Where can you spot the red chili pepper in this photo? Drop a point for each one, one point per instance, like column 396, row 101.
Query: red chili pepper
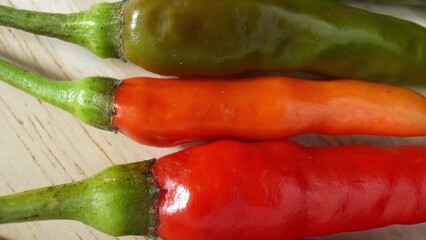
column 166, row 112
column 233, row 190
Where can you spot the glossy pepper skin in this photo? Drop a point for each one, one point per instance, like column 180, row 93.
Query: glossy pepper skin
column 217, row 38
column 173, row 111
column 281, row 190
column 183, row 37
column 407, row 2
column 166, row 112
column 266, row 190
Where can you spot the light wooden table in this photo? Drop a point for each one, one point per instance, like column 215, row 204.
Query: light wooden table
column 41, row 145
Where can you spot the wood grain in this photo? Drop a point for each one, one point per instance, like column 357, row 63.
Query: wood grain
column 41, row 145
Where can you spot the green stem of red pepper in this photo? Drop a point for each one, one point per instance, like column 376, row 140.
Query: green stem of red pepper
column 97, row 29
column 90, row 99
column 118, row 201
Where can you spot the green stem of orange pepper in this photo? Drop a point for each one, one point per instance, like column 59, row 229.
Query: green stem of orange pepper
column 90, row 99
column 216, row 38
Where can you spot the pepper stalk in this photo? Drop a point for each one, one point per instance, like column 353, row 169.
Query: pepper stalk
column 89, row 99
column 119, row 201
column 97, row 29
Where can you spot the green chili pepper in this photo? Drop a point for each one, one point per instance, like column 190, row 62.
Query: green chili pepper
column 212, row 38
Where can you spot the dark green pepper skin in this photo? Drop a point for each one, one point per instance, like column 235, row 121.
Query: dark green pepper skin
column 407, row 2
column 213, row 38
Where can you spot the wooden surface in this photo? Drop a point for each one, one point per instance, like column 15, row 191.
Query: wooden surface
column 41, row 145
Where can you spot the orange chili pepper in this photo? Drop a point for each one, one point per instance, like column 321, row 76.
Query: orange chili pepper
column 165, row 112
column 172, row 111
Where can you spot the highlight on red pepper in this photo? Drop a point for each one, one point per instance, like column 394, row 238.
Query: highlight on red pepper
column 166, row 112
column 187, row 37
column 266, row 190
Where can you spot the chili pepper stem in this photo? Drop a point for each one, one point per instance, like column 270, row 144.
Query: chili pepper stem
column 119, row 201
column 97, row 29
column 90, row 99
